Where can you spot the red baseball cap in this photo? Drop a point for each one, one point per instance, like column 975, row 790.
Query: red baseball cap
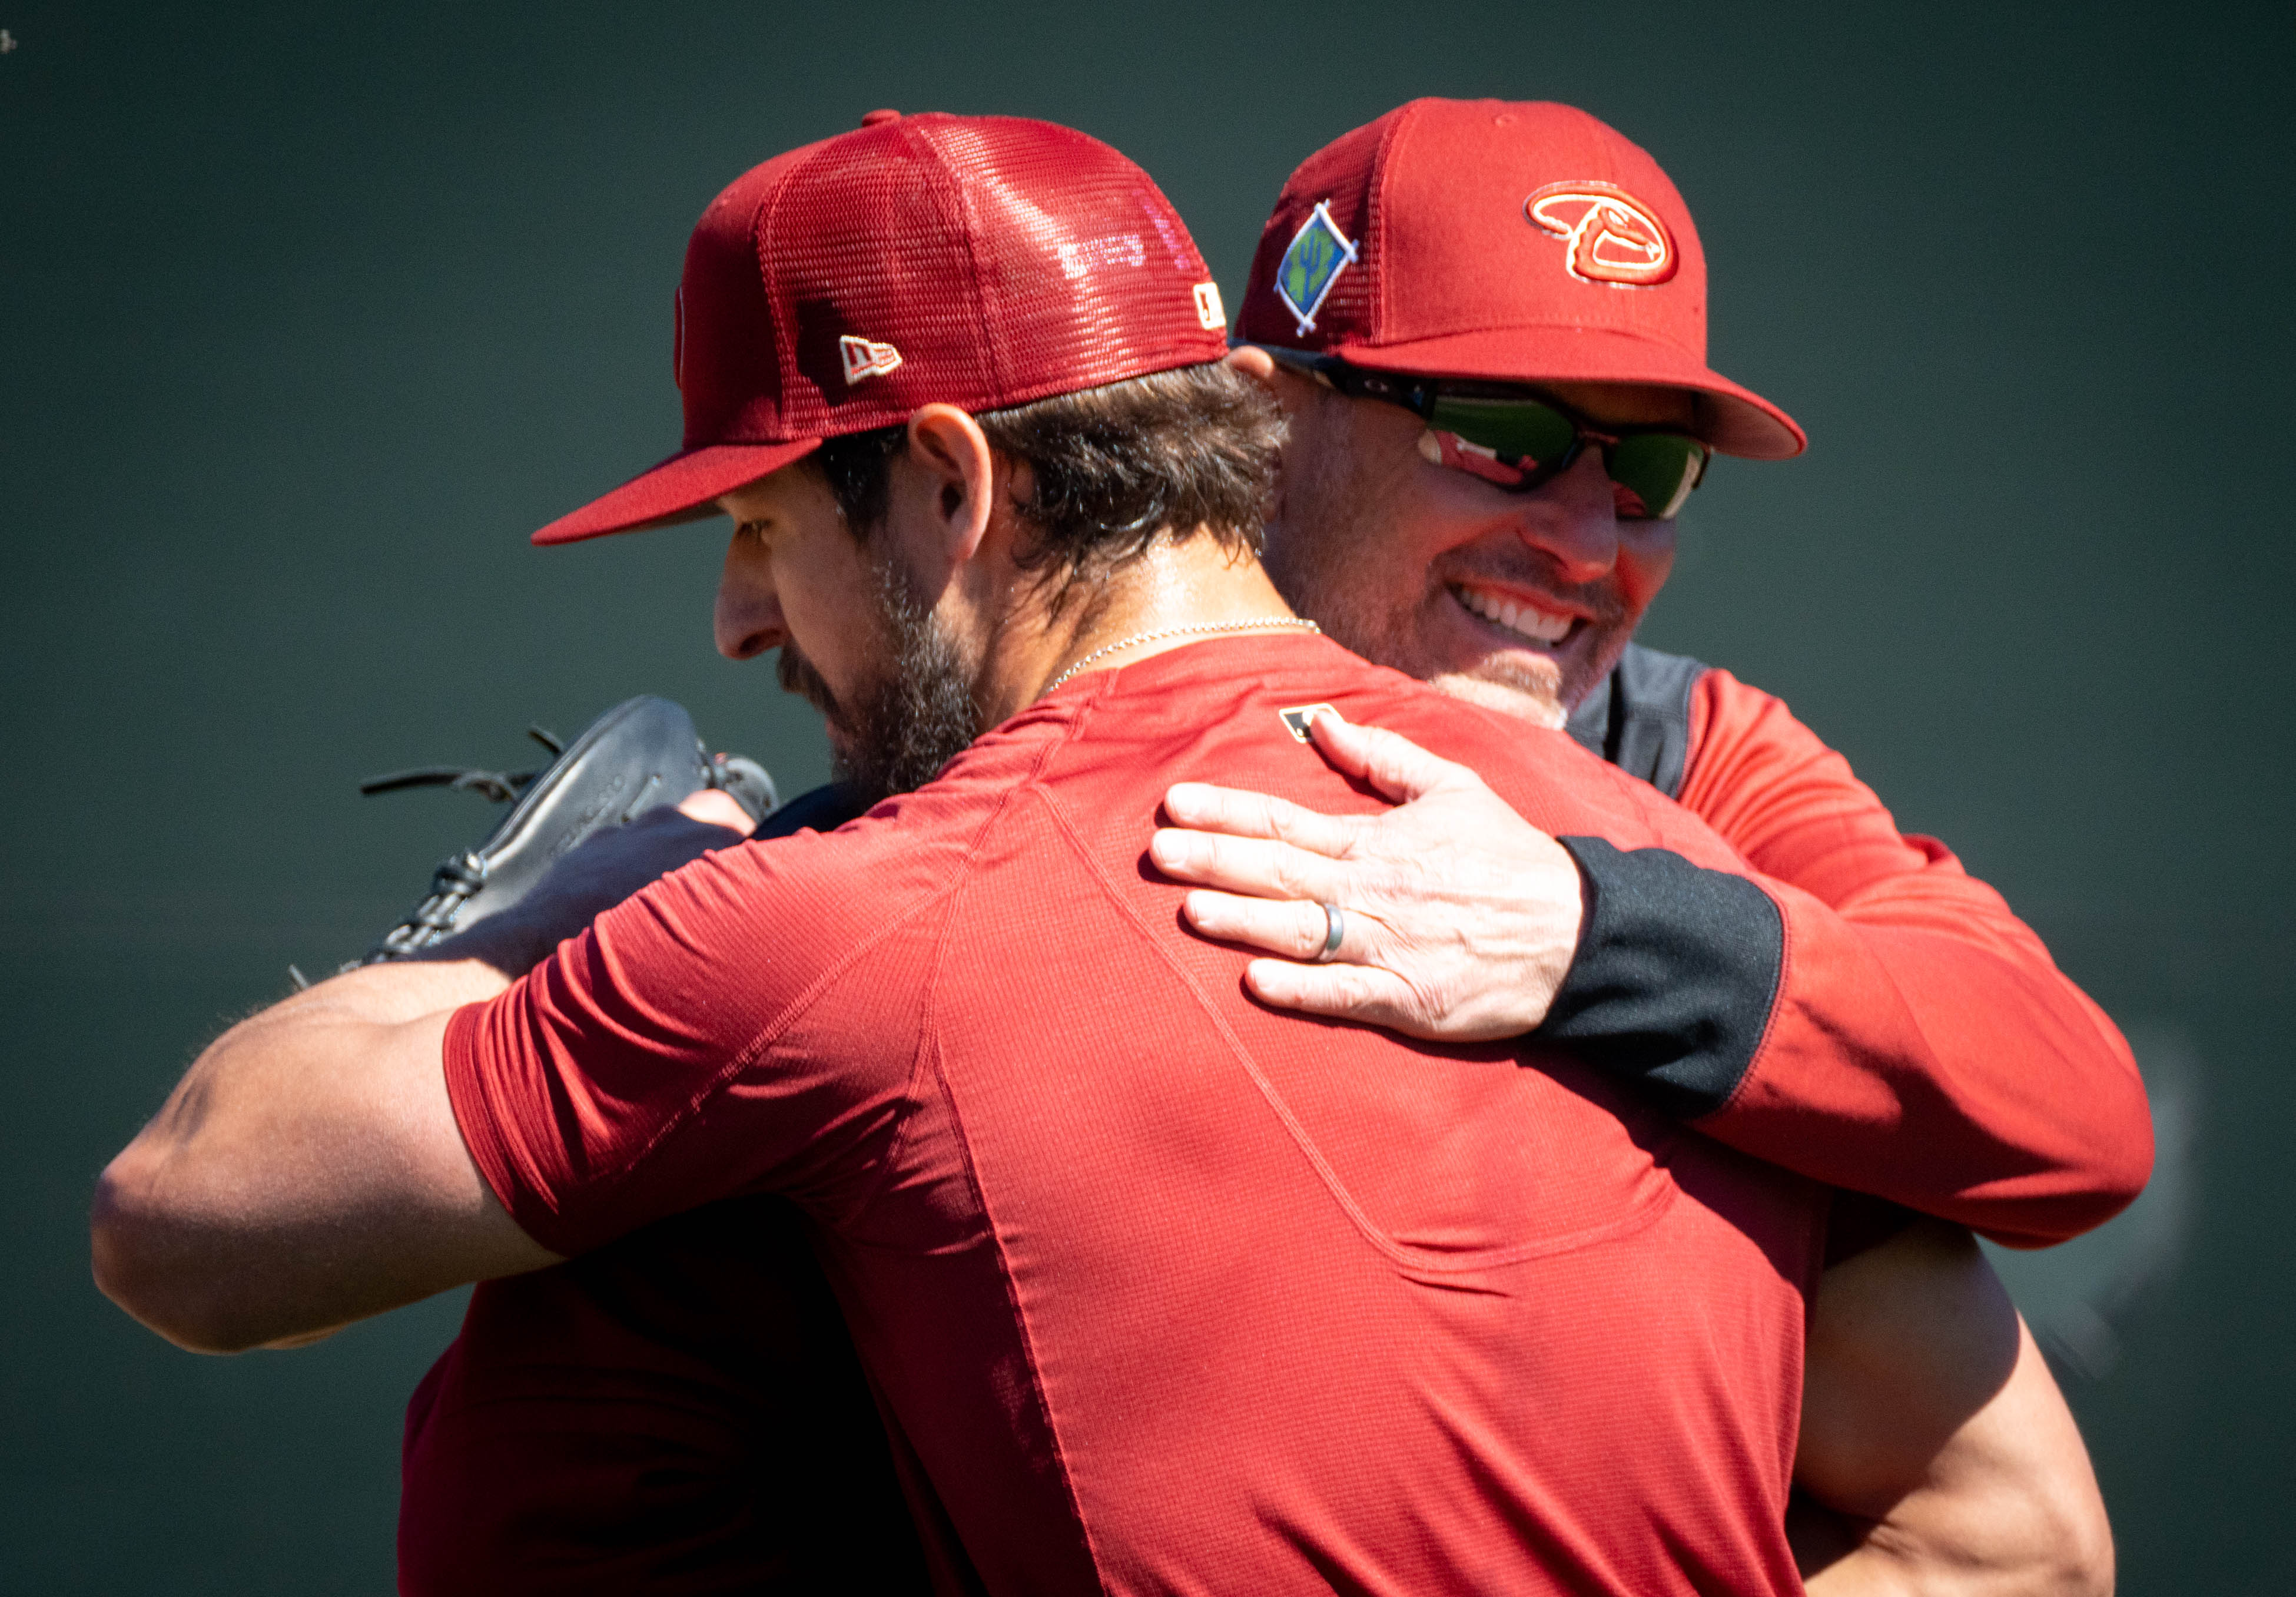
column 1517, row 242
column 977, row 261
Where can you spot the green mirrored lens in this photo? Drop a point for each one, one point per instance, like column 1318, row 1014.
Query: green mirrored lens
column 1658, row 468
column 1522, row 433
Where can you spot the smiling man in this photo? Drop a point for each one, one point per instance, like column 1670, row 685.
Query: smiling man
column 1487, row 323
column 1161, row 1289
column 676, row 1410
column 1405, row 560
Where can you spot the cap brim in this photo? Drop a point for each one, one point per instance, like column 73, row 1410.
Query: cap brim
column 684, row 488
column 1734, row 420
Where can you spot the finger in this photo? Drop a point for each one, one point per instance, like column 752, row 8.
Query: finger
column 719, row 808
column 1293, row 928
column 1362, row 993
column 1255, row 866
column 1241, row 814
column 1391, row 763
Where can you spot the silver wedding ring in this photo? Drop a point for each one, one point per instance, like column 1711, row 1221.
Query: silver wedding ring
column 1335, row 927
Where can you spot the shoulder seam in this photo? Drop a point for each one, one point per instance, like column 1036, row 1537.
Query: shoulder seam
column 929, row 1044
column 796, row 1008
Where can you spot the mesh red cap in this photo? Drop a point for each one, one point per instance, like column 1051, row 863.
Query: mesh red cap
column 1515, row 242
column 977, row 261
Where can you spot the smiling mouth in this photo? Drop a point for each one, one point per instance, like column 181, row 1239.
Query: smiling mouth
column 1533, row 626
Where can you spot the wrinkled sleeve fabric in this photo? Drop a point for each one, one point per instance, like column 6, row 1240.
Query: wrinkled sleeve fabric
column 1862, row 1010
column 672, row 1055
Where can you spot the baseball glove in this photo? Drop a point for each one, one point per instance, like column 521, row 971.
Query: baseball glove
column 637, row 757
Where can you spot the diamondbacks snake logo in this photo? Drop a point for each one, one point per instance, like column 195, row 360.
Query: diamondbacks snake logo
column 1611, row 236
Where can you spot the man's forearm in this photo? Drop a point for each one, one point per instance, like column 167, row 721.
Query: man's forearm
column 307, row 1172
column 1911, row 1040
column 1952, row 1065
column 1946, row 1076
column 1936, row 1454
column 1990, row 1522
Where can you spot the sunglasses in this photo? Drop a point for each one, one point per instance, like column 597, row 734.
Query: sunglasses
column 1519, row 440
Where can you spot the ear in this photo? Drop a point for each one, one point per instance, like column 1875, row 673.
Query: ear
column 950, row 447
column 1251, row 361
column 1291, row 389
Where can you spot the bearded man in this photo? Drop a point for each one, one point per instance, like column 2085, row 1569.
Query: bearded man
column 963, row 656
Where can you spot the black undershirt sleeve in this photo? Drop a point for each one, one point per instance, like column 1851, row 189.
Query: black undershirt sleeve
column 1676, row 970
column 824, row 809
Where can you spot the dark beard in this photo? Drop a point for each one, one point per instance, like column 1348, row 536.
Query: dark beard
column 916, row 717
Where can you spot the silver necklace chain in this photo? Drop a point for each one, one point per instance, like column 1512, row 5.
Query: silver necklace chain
column 1164, row 632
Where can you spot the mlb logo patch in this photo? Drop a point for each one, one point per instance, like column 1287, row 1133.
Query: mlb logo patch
column 1312, row 262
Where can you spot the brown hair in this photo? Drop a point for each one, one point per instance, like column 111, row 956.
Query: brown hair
column 1113, row 467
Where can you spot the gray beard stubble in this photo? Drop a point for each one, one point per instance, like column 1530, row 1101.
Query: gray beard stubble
column 1323, row 521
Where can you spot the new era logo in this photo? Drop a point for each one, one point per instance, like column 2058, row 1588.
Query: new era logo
column 865, row 358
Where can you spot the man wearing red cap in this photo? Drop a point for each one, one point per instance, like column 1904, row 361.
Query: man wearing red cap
column 1487, row 324
column 1160, row 1288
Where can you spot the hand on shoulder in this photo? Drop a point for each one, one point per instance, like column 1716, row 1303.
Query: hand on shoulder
column 1458, row 918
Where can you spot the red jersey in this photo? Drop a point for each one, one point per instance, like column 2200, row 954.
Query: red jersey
column 581, row 1434
column 1164, row 1289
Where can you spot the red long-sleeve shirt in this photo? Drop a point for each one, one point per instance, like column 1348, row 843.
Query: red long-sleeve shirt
column 1864, row 1011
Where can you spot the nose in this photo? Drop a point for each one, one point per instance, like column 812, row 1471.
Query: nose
column 1574, row 520
column 747, row 620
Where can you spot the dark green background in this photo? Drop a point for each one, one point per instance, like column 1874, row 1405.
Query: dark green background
column 306, row 320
